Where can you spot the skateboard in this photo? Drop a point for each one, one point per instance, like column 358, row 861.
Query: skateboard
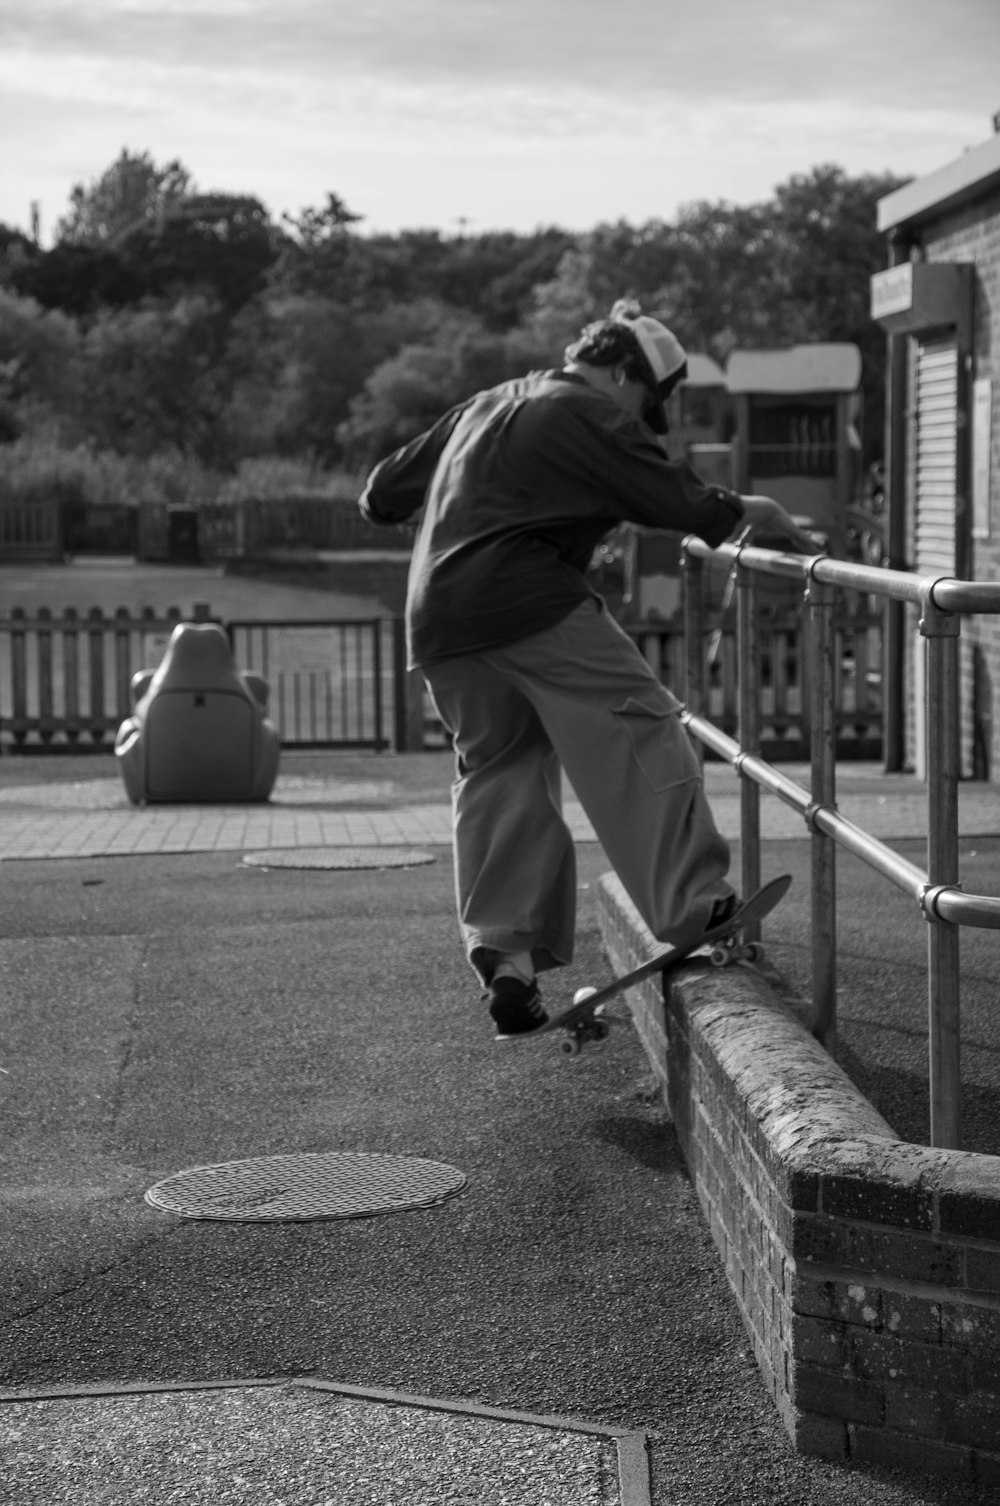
column 585, row 1019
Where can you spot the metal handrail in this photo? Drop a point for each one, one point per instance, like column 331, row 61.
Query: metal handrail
column 942, row 601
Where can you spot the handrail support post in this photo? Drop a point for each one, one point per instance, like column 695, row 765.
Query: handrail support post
column 748, row 657
column 821, row 600
column 940, row 632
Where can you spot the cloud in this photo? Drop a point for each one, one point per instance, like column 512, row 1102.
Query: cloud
column 726, row 49
column 506, row 112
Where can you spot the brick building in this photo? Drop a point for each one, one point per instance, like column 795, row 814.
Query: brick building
column 939, row 303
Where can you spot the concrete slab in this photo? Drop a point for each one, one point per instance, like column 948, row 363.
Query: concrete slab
column 309, row 1442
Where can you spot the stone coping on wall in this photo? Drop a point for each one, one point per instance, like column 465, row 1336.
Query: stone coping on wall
column 866, row 1269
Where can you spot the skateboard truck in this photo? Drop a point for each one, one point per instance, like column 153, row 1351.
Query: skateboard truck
column 595, row 1026
column 587, row 1019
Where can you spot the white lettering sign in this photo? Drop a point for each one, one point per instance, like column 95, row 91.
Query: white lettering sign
column 892, row 291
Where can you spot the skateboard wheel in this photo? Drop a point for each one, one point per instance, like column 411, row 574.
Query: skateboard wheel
column 601, row 1030
column 754, row 951
column 719, row 956
column 571, row 1046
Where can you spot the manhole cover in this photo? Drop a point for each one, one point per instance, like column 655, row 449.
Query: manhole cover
column 274, row 1189
column 340, row 857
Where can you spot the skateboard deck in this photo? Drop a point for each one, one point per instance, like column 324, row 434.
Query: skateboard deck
column 585, row 1020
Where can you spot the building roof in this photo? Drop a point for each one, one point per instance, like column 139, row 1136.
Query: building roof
column 800, row 368
column 974, row 173
column 703, row 371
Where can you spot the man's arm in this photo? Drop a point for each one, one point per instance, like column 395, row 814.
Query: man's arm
column 658, row 492
column 763, row 514
column 396, row 488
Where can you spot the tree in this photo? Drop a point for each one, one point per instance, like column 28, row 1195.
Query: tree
column 154, row 381
column 15, row 249
column 40, row 368
column 414, row 387
column 313, row 257
column 78, row 278
column 794, row 269
column 222, row 245
column 512, row 266
column 830, row 243
column 489, row 275
column 317, row 356
column 826, row 233
column 133, row 191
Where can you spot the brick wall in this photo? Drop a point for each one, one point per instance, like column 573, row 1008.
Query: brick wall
column 866, row 1269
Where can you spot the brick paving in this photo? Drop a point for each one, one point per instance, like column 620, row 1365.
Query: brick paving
column 93, row 818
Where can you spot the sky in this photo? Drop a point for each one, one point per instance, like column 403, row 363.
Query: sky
column 477, row 115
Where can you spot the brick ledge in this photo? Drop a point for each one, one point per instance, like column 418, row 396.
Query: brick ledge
column 866, row 1269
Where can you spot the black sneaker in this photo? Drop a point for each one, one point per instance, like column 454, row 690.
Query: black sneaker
column 723, row 910
column 516, row 1007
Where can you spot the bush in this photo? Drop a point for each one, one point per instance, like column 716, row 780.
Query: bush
column 275, row 478
column 39, row 470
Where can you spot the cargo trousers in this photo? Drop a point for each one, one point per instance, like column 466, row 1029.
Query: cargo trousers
column 579, row 697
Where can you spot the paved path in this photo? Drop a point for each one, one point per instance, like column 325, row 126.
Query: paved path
column 127, row 1319
column 92, row 817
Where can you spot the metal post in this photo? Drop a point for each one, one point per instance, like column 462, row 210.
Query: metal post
column 693, row 581
column 821, row 643
column 748, row 654
column 400, row 688
column 940, row 632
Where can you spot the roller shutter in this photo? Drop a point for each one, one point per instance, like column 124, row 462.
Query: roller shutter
column 936, row 436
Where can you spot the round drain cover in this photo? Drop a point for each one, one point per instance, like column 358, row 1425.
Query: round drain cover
column 277, row 1189
column 340, row 857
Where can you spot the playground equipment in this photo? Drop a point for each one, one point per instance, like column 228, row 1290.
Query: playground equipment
column 199, row 729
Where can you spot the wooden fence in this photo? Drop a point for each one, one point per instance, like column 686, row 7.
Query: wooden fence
column 251, row 528
column 65, row 682
column 784, row 709
column 31, row 531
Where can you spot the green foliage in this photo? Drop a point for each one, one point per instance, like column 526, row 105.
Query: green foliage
column 272, row 477
column 153, row 381
column 412, row 389
column 169, row 322
column 313, row 258
column 77, row 278
column 16, row 251
column 218, row 245
column 133, row 191
column 40, row 368
column 36, row 470
column 723, row 275
column 491, row 276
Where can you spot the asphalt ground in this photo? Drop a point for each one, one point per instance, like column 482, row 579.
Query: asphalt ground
column 176, row 1009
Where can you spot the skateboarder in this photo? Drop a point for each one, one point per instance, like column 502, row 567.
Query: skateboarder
column 529, row 671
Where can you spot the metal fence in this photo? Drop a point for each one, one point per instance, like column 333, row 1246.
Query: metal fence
column 66, row 680
column 328, row 680
column 942, row 603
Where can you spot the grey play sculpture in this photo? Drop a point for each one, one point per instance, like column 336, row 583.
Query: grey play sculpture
column 199, row 729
